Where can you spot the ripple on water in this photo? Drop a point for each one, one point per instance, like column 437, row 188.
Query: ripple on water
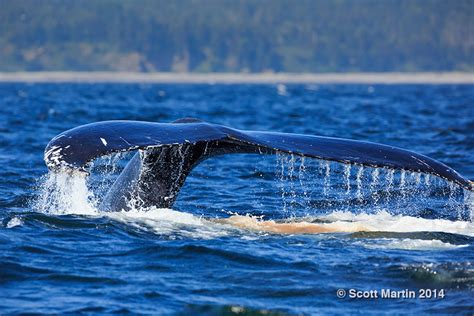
column 449, row 275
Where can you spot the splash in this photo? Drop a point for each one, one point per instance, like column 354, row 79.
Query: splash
column 65, row 193
column 104, row 170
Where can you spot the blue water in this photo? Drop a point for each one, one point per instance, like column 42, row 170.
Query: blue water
column 70, row 258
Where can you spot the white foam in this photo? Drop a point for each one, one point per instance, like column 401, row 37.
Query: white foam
column 14, row 222
column 164, row 221
column 413, row 244
column 160, row 214
column 384, row 221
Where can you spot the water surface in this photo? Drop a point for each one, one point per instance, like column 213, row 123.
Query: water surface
column 66, row 257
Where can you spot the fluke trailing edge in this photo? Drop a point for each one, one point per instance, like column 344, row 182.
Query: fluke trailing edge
column 167, row 152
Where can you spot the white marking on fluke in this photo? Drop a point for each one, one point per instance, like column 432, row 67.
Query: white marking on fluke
column 103, row 141
column 53, row 156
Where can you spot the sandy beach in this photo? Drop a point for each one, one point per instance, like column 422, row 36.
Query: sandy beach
column 241, row 78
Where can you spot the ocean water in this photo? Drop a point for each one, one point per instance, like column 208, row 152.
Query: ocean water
column 59, row 254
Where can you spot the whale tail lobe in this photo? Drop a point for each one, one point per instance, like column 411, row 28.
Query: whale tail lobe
column 167, row 152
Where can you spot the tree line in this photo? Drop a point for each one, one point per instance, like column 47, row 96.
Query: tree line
column 237, row 35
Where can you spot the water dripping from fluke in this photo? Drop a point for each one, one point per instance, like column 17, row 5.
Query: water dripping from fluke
column 347, row 177
column 468, row 200
column 360, row 174
column 327, row 178
column 403, row 192
column 366, row 189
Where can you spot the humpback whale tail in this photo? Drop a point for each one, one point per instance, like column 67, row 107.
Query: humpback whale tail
column 167, row 152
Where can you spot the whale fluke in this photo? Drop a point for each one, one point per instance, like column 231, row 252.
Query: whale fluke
column 169, row 151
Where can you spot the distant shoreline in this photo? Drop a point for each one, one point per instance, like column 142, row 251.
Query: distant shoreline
column 240, row 78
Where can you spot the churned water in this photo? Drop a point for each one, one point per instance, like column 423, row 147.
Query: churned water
column 59, row 254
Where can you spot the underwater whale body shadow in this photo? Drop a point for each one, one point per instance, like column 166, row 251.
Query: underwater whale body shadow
column 167, row 152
